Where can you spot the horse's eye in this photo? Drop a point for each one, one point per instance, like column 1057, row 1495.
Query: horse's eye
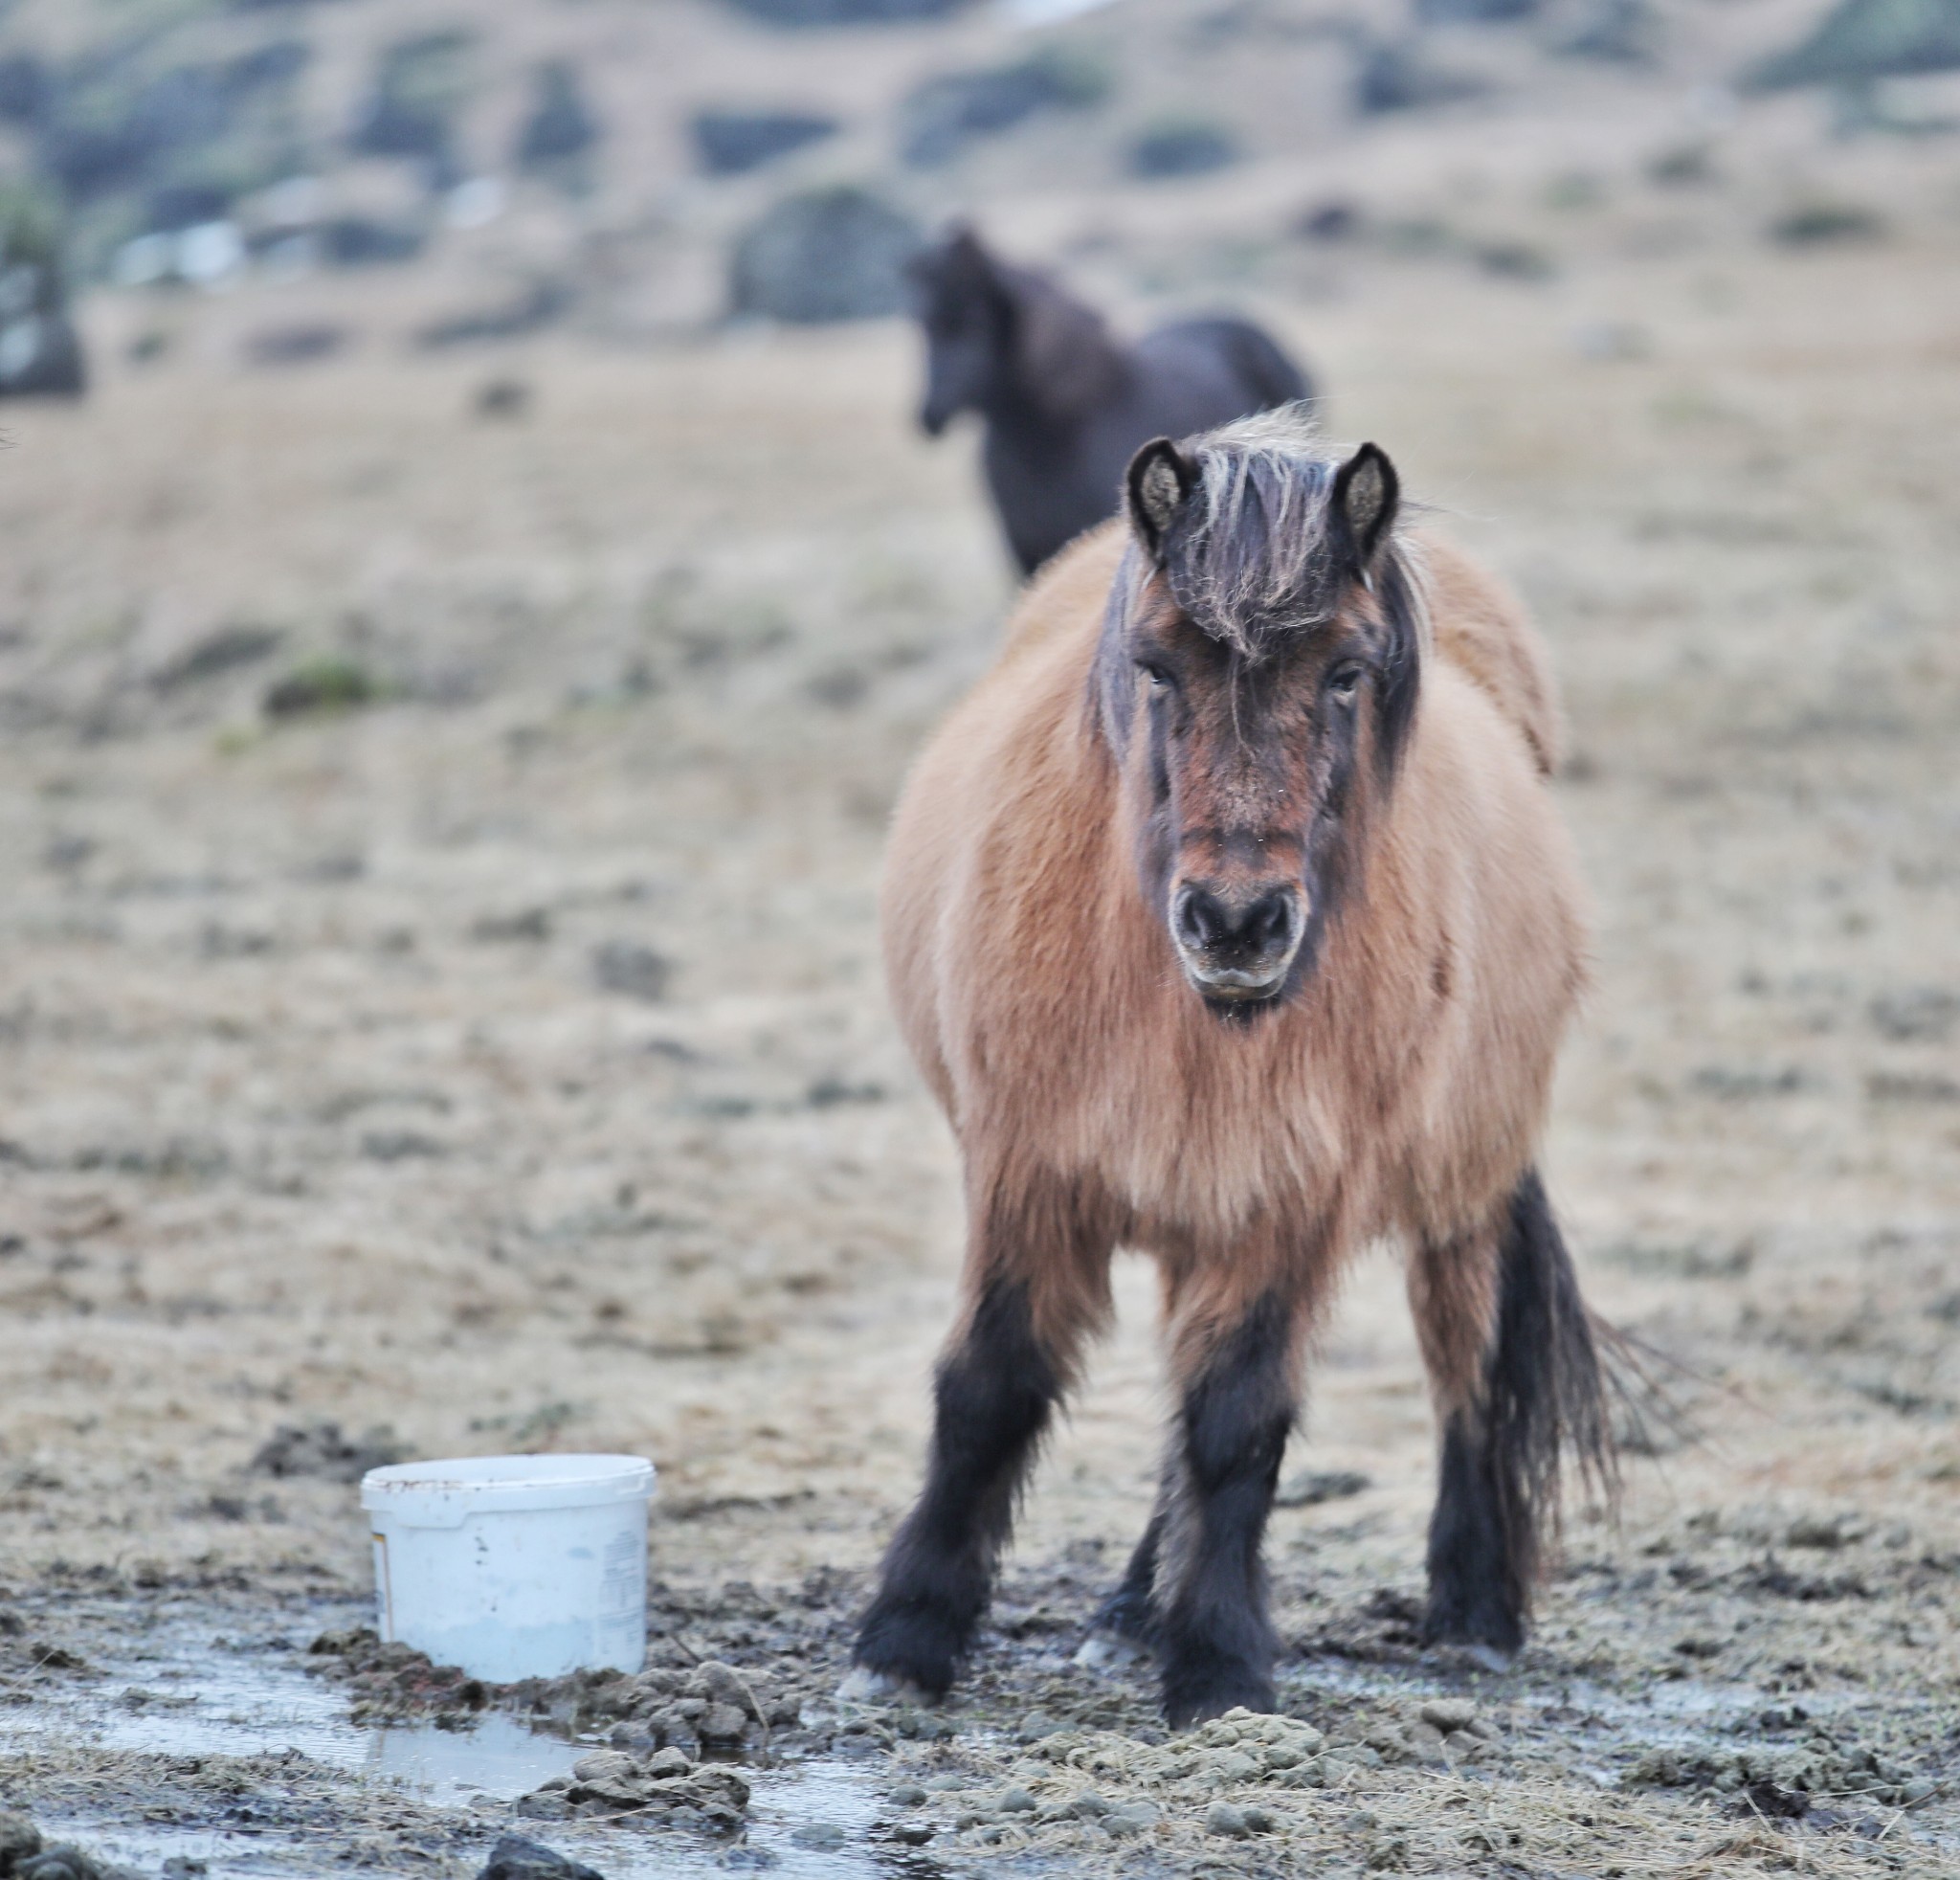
column 1343, row 681
column 1159, row 678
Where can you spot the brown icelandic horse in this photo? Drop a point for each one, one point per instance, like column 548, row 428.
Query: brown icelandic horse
column 1230, row 921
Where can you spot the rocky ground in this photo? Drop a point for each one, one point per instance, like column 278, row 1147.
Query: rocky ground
column 438, row 998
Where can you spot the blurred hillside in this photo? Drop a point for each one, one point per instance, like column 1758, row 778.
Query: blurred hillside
column 446, row 171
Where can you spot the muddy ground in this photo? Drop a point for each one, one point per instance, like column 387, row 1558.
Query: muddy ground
column 481, row 1047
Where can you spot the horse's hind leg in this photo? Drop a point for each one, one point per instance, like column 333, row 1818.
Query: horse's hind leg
column 1037, row 1281
column 1517, row 1385
column 1125, row 1624
column 1240, row 1388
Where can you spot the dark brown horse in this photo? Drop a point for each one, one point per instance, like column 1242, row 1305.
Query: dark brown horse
column 1230, row 921
column 1064, row 403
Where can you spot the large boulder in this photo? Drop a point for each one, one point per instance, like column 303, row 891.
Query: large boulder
column 1400, row 76
column 733, row 143
column 40, row 351
column 942, row 115
column 848, row 13
column 1859, row 41
column 419, row 88
column 825, row 255
column 561, row 131
column 1180, row 146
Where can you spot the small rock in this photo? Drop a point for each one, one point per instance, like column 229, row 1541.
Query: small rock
column 514, row 1858
column 606, row 1766
column 670, row 1761
column 63, row 1862
column 1425, row 1742
column 1261, row 1820
column 543, row 1807
column 1090, row 1808
column 1131, row 1818
column 1015, row 1802
column 1224, row 1818
column 913, row 1834
column 908, row 1796
column 721, row 1724
column 19, row 1839
column 1037, row 1725
column 722, row 1684
column 321, row 1450
column 1448, row 1714
column 1832, row 1531
column 625, row 966
column 820, row 1837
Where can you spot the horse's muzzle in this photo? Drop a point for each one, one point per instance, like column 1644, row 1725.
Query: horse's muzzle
column 934, row 417
column 1238, row 944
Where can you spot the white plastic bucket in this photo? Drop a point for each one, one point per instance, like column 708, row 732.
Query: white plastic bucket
column 514, row 1566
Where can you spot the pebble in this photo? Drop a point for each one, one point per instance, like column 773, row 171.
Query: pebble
column 820, row 1837
column 907, row 1796
column 1225, row 1818
column 1448, row 1714
column 19, row 1837
column 1015, row 1802
column 606, row 1766
column 722, row 1723
column 514, row 1858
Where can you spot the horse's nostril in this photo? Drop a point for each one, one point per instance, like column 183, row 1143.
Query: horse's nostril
column 1203, row 921
column 1269, row 921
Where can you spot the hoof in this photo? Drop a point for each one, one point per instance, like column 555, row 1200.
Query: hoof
column 1490, row 1657
column 864, row 1686
column 1186, row 1710
column 1109, row 1651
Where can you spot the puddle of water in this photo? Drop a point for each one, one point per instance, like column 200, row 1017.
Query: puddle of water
column 180, row 1693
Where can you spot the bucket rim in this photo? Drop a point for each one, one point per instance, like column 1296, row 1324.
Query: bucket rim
column 489, row 1482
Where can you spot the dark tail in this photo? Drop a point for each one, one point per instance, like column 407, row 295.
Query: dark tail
column 1540, row 1412
column 1545, row 1402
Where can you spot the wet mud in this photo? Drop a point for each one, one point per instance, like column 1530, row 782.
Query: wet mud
column 490, row 1056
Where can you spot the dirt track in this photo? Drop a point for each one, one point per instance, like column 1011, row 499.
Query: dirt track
column 505, row 1062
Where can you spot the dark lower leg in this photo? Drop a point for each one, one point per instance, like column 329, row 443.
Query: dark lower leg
column 1532, row 1400
column 1214, row 1639
column 1476, row 1596
column 993, row 1395
column 1127, row 1612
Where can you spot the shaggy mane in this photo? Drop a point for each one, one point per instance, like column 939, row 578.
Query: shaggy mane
column 1251, row 553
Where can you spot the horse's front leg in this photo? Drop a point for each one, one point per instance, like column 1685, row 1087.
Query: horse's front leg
column 1240, row 1389
column 1037, row 1282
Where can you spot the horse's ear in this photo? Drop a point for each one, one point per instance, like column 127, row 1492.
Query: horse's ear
column 1159, row 479
column 1366, row 493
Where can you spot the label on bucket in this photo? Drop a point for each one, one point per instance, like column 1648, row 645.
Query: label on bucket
column 623, row 1577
